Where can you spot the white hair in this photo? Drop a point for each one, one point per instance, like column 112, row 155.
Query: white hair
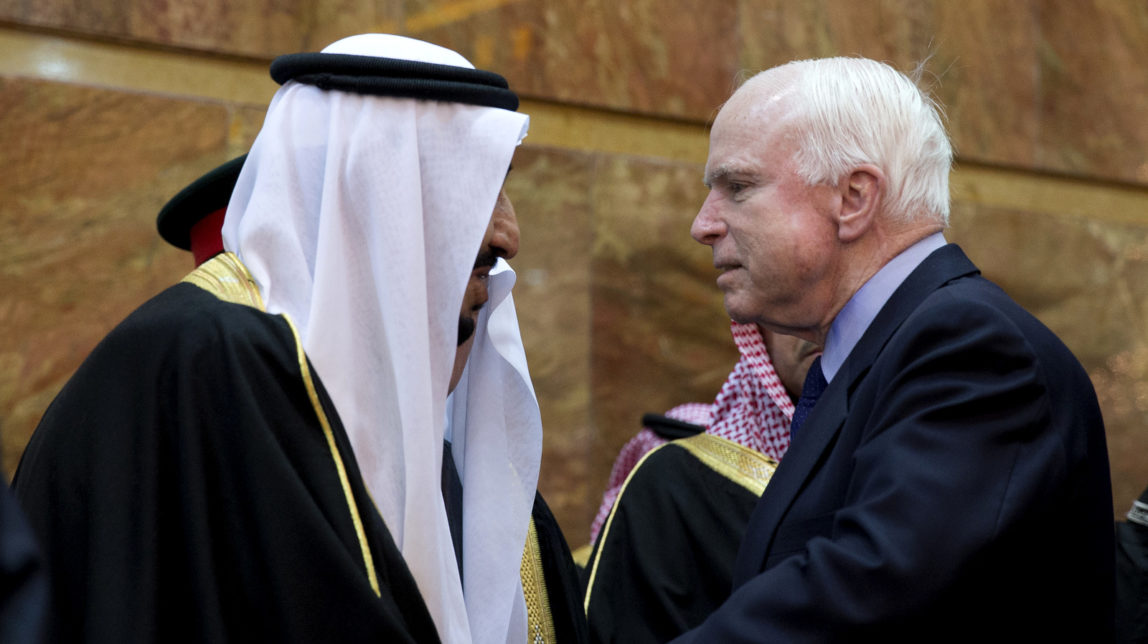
column 852, row 111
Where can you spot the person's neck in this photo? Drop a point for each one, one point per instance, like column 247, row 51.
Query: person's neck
column 860, row 261
column 870, row 253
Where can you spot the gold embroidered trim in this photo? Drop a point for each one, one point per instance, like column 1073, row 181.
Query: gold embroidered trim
column 228, row 279
column 606, row 528
column 746, row 467
column 368, row 561
column 540, row 622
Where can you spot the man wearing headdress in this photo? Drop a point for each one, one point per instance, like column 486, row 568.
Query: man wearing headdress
column 681, row 493
column 192, row 221
column 204, row 476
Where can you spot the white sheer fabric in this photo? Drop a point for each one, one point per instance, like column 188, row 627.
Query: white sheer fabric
column 360, row 218
column 494, row 418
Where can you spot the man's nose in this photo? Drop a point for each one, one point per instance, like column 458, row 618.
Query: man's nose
column 505, row 223
column 707, row 227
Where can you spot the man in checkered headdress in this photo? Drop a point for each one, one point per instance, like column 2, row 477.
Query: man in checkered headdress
column 673, row 514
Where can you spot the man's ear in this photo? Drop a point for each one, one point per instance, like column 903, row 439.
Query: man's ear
column 862, row 192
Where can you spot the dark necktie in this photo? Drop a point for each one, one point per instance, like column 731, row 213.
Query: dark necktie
column 812, row 389
column 452, row 496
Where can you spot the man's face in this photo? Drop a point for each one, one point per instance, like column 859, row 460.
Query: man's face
column 501, row 240
column 774, row 238
column 791, row 357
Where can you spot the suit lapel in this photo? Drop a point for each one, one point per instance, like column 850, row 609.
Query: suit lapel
column 828, row 416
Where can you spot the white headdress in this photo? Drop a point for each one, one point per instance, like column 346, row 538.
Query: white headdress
column 360, row 217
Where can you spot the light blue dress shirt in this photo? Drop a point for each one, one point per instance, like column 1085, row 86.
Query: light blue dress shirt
column 853, row 320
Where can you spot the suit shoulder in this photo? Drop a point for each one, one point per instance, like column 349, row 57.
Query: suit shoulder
column 972, row 326
column 979, row 309
column 974, row 293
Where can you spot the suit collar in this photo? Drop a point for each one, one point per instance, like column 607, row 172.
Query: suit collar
column 825, row 420
column 862, row 308
column 940, row 267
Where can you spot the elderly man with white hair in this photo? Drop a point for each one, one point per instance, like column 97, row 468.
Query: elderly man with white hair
column 947, row 476
column 257, row 453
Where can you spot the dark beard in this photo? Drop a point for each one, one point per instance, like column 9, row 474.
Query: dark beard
column 465, row 329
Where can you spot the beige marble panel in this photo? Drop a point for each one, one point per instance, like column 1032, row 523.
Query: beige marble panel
column 265, row 28
column 1052, row 86
column 1094, row 88
column 260, row 28
column 667, row 57
column 639, row 55
column 69, row 59
column 660, row 333
column 335, row 19
column 1008, row 189
column 600, row 131
column 1088, row 281
column 87, row 171
column 88, row 16
column 776, row 31
column 551, row 192
column 985, row 70
column 980, row 58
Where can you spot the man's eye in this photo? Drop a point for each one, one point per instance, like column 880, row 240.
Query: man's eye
column 483, row 277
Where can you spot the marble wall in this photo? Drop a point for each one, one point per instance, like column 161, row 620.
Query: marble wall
column 107, row 109
column 1054, row 86
column 87, row 169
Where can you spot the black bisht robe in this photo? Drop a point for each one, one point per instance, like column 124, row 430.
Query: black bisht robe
column 664, row 558
column 551, row 583
column 184, row 488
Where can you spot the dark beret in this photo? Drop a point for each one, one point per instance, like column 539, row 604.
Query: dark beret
column 203, row 197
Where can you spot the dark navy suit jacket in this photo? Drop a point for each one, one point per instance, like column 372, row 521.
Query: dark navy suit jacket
column 951, row 483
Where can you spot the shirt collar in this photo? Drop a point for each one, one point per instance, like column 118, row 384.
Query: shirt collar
column 853, row 320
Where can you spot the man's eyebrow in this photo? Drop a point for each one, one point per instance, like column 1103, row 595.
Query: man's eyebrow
column 485, row 259
column 717, row 174
column 722, row 174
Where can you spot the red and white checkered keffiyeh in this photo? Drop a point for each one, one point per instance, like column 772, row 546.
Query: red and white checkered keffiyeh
column 752, row 409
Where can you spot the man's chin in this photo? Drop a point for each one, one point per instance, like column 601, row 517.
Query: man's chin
column 738, row 311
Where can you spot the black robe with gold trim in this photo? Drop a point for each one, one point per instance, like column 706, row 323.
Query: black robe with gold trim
column 192, row 482
column 664, row 558
column 550, row 583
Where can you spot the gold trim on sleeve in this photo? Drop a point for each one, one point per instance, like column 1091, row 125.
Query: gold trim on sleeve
column 225, row 277
column 540, row 621
column 746, row 467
